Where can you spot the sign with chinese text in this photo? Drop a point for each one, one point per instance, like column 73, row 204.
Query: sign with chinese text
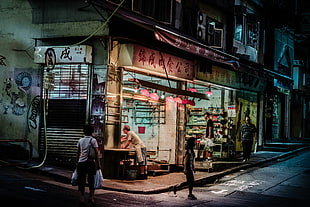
column 64, row 54
column 220, row 76
column 251, row 82
column 191, row 46
column 154, row 60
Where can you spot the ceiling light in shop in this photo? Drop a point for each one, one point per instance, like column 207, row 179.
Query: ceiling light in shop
column 178, row 100
column 154, row 96
column 185, row 101
column 192, row 89
column 209, row 92
column 145, row 92
column 191, row 102
column 170, row 99
column 130, row 89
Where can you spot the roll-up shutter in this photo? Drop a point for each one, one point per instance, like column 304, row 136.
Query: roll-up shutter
column 66, row 113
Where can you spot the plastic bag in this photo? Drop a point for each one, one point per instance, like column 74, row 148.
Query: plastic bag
column 98, row 179
column 74, row 178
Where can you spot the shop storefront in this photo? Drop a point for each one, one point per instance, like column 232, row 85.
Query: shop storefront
column 223, row 105
column 72, row 95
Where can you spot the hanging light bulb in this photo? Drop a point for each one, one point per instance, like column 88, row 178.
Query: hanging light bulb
column 185, row 101
column 154, row 96
column 145, row 92
column 177, row 100
column 170, row 99
column 192, row 89
column 163, row 95
column 209, row 92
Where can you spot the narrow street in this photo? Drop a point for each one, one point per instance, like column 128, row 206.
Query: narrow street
column 282, row 183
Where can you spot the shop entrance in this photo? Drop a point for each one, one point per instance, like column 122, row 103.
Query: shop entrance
column 66, row 110
column 222, row 110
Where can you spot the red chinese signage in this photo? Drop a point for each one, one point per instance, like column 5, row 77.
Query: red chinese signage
column 162, row 62
column 191, row 46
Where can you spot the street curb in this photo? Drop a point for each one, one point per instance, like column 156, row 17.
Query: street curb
column 211, row 178
column 66, row 177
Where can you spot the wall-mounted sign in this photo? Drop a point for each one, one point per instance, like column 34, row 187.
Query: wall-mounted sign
column 63, row 54
column 191, row 46
column 156, row 61
column 251, row 82
column 220, row 76
column 50, row 58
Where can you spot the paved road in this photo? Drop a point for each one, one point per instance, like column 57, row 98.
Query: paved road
column 283, row 183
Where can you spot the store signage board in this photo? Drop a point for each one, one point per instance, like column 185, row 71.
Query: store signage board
column 251, row 82
column 64, row 54
column 191, row 46
column 220, row 76
column 156, row 61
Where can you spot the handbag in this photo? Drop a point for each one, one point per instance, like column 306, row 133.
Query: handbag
column 91, row 151
column 74, row 178
column 98, row 179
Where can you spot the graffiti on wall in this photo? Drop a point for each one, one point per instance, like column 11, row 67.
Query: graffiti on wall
column 2, row 60
column 33, row 113
column 14, row 93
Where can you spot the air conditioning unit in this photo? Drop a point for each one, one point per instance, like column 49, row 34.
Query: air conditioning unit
column 201, row 25
column 211, row 27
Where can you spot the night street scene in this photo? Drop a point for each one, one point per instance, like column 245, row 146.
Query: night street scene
column 155, row 103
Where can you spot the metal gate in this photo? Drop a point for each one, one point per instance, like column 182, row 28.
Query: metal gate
column 67, row 111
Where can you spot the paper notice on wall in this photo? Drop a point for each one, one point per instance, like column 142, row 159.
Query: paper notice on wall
column 231, row 112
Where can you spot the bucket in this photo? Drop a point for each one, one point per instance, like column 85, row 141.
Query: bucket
column 207, row 154
column 131, row 174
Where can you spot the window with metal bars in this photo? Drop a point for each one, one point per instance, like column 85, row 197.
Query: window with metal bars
column 70, row 81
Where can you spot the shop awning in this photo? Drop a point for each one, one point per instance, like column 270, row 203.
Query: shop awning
column 278, row 75
column 167, row 89
column 192, row 46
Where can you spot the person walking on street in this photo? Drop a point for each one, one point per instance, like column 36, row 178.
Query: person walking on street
column 189, row 166
column 248, row 135
column 135, row 142
column 86, row 165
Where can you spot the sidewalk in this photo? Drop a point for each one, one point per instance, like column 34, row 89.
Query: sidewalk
column 173, row 181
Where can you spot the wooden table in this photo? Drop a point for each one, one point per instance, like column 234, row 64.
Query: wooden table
column 112, row 158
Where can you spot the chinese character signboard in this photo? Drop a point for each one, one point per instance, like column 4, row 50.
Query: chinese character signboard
column 188, row 45
column 64, row 54
column 156, row 61
column 220, row 76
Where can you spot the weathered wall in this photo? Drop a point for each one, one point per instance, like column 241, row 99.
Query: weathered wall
column 23, row 23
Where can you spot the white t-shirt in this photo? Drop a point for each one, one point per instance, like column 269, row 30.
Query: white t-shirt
column 136, row 142
column 84, row 144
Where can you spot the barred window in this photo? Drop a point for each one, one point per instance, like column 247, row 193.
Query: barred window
column 70, row 81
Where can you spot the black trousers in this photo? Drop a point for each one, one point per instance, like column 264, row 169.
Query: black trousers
column 247, row 148
column 86, row 169
column 190, row 178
